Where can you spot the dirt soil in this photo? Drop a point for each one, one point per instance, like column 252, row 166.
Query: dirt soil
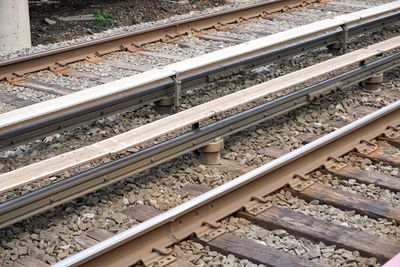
column 122, row 13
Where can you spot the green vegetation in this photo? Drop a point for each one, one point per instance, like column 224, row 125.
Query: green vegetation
column 102, row 17
column 57, row 146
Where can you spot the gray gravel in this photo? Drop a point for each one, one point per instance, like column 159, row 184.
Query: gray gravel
column 359, row 4
column 199, row 255
column 121, row 30
column 102, row 70
column 50, row 236
column 380, row 227
column 62, row 80
column 174, row 49
column 281, row 240
column 25, row 93
column 157, row 189
column 284, row 22
column 368, row 165
column 231, row 34
column 139, row 60
column 352, row 186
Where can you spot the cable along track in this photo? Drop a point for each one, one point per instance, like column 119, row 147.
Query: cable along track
column 247, row 196
column 41, row 119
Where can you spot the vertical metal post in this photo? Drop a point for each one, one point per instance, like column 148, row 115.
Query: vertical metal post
column 345, row 37
column 361, row 63
column 178, row 87
column 195, row 125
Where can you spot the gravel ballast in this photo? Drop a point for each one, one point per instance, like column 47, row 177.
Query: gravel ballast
column 51, row 236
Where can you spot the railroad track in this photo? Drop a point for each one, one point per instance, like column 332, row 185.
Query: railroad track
column 158, row 86
column 195, row 128
column 65, row 190
column 252, row 196
column 51, row 196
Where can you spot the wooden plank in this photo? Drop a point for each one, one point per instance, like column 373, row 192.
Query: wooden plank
column 126, row 66
column 391, row 157
column 44, row 87
column 340, row 9
column 15, row 101
column 343, row 237
column 174, row 122
column 369, row 177
column 99, row 234
column 85, row 241
column 230, row 167
column 231, row 244
column 361, row 111
column 220, row 39
column 190, row 45
column 180, row 263
column 273, row 152
column 29, row 261
column 255, row 252
column 336, row 124
column 350, row 201
column 93, row 237
column 248, row 31
column 141, row 212
column 193, row 190
column 83, row 75
column 393, row 141
column 307, row 138
column 161, row 55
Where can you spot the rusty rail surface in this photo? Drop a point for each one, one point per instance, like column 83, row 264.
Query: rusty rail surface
column 149, row 242
column 56, row 58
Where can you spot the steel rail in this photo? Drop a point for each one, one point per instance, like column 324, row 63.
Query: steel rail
column 136, row 245
column 44, row 126
column 17, row 67
column 55, row 194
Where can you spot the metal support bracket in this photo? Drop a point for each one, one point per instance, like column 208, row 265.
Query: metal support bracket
column 257, row 206
column 164, row 261
column 161, row 257
column 210, row 231
column 334, row 166
column 133, row 48
column 178, row 88
column 96, row 58
column 345, row 37
column 300, row 184
column 393, row 133
column 361, row 64
column 195, row 125
column 366, row 147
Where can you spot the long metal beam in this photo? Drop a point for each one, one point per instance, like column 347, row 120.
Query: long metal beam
column 89, row 181
column 137, row 244
column 44, row 126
